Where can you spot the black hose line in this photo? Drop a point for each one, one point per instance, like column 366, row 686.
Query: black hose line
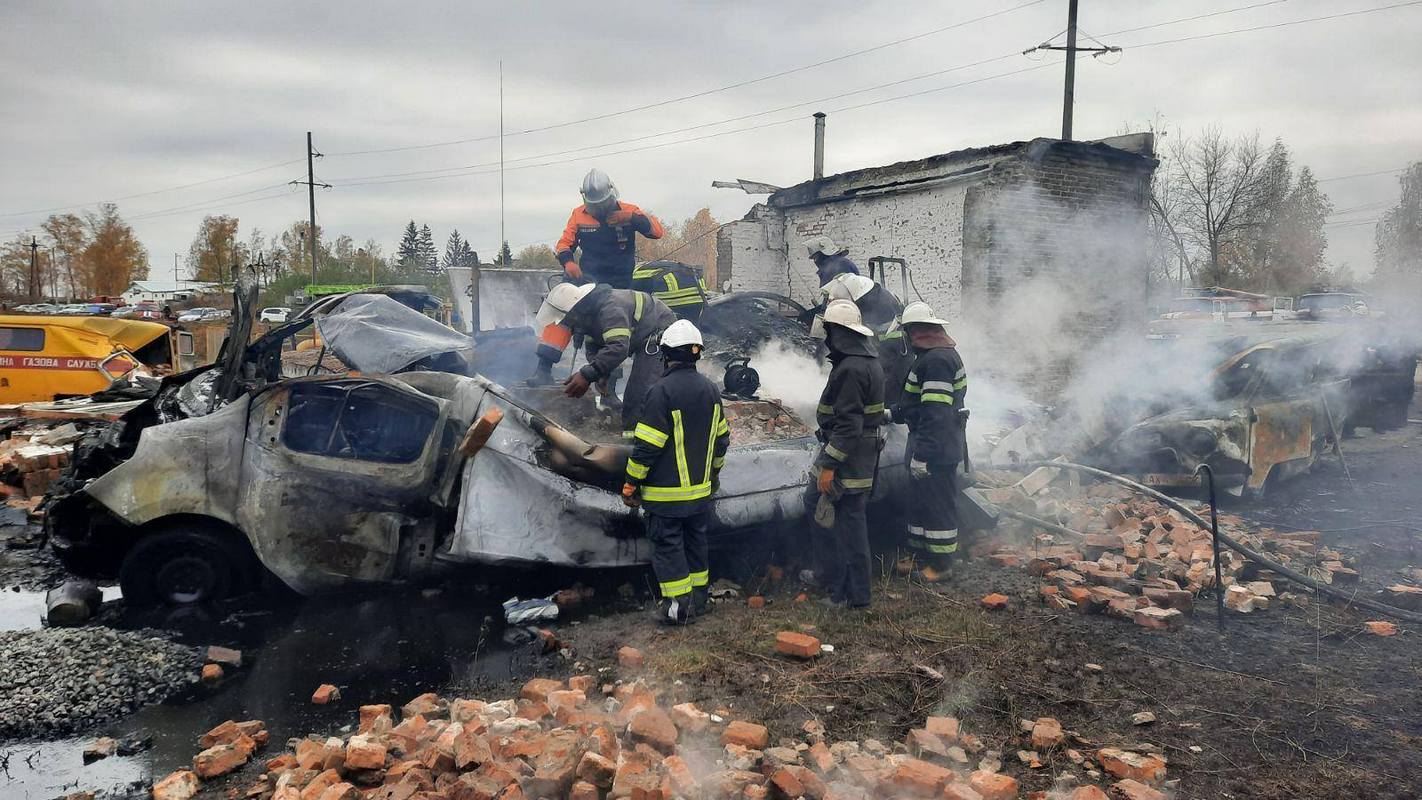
column 1239, row 547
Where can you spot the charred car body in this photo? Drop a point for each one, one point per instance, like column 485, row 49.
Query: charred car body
column 333, row 480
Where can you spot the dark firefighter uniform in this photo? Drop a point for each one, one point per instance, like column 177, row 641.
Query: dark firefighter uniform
column 616, row 324
column 849, row 414
column 674, row 283
column 931, row 407
column 609, row 249
column 680, row 447
column 829, row 266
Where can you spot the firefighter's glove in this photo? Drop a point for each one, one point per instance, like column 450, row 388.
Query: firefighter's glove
column 573, row 270
column 918, row 469
column 576, row 385
column 629, row 496
column 826, row 481
column 619, row 217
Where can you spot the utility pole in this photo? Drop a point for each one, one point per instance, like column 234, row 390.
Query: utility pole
column 34, row 268
column 311, row 184
column 502, row 236
column 1069, row 89
column 176, row 280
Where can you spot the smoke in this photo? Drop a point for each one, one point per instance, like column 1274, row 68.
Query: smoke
column 790, row 376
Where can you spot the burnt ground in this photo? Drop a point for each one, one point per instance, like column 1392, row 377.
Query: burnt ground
column 1292, row 702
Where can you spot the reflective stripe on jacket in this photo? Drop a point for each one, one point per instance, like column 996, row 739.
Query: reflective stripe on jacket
column 614, row 323
column 933, row 396
column 671, row 282
column 609, row 250
column 849, row 414
column 681, row 440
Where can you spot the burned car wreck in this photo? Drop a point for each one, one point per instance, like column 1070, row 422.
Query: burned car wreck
column 336, row 479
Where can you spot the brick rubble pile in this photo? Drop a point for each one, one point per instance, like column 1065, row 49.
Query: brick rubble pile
column 32, row 457
column 579, row 741
column 1136, row 559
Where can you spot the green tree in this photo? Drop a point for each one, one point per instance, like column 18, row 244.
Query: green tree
column 505, row 254
column 407, row 253
column 537, row 256
column 1398, row 237
column 456, row 252
column 428, row 254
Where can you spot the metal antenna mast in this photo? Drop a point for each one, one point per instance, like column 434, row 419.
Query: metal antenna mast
column 502, row 236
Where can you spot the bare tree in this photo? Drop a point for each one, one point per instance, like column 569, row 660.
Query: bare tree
column 1218, row 180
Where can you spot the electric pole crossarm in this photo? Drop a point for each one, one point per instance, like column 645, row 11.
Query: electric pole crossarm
column 1069, row 90
column 311, row 183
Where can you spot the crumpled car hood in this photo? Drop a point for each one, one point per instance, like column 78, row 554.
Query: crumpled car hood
column 379, row 335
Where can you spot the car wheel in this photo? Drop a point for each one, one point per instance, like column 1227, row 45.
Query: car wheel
column 179, row 566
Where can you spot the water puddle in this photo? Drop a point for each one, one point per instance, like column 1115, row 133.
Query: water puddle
column 378, row 649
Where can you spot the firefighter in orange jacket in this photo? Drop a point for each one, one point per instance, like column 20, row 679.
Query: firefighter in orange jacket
column 604, row 229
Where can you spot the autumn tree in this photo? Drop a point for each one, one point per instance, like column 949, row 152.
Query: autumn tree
column 690, row 241
column 113, row 255
column 537, row 256
column 68, row 236
column 216, row 251
column 15, row 266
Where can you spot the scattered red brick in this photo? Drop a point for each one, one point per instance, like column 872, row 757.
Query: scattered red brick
column 211, row 674
column 1047, row 734
column 630, row 657
column 795, row 644
column 1135, row 790
column 325, row 693
column 1145, row 767
column 1087, row 793
column 746, row 734
column 1380, row 628
column 993, row 785
column 755, row 601
column 995, row 602
column 655, row 728
column 919, row 778
column 179, row 785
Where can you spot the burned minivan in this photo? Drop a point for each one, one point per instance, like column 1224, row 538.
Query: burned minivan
column 365, row 476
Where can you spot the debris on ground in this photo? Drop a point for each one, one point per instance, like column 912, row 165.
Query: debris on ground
column 56, row 681
column 1115, row 552
column 556, row 741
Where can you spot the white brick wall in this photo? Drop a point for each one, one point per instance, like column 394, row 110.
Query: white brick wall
column 923, row 226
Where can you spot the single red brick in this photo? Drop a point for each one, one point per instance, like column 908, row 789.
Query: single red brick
column 787, row 784
column 325, row 693
column 993, row 785
column 1134, row 790
column 1087, row 793
column 917, row 777
column 538, row 689
column 630, row 657
column 582, row 790
column 654, row 727
column 755, row 601
column 746, row 734
column 995, row 602
column 797, row 644
column 945, row 728
column 1047, row 733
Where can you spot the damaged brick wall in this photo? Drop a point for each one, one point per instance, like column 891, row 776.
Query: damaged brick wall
column 1068, row 217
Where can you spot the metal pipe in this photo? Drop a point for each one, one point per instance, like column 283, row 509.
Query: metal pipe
column 819, row 144
column 1239, row 547
column 1215, row 541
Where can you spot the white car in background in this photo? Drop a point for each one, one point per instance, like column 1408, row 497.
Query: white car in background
column 195, row 314
column 275, row 314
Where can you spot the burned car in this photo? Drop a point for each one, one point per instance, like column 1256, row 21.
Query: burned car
column 332, row 480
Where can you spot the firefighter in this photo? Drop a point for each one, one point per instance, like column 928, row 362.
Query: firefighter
column 830, row 259
column 603, row 228
column 674, row 283
column 850, row 411
column 615, row 324
column 880, row 310
column 933, row 409
column 680, row 447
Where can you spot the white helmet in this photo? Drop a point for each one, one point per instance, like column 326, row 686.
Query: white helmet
column 847, row 287
column 846, row 314
column 919, row 311
column 598, row 188
column 680, row 334
column 560, row 301
column 823, row 245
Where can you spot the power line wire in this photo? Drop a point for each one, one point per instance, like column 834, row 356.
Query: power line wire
column 150, row 193
column 1272, row 26
column 703, row 93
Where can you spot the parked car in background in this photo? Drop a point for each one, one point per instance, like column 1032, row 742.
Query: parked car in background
column 76, row 309
column 1333, row 306
column 195, row 314
column 275, row 314
column 37, row 308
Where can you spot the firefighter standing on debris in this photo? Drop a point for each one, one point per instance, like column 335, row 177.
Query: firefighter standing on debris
column 681, row 440
column 880, row 310
column 605, row 230
column 674, row 283
column 849, row 414
column 830, row 259
column 616, row 324
column 933, row 409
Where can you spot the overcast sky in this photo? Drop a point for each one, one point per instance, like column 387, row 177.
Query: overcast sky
column 103, row 100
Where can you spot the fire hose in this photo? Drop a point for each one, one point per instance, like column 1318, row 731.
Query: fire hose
column 1236, row 545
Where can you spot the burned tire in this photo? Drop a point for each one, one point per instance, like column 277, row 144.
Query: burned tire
column 184, row 564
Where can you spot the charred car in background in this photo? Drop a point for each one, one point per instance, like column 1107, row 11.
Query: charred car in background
column 1278, row 398
column 336, row 479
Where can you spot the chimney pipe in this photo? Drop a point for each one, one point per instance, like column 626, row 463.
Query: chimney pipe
column 819, row 145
